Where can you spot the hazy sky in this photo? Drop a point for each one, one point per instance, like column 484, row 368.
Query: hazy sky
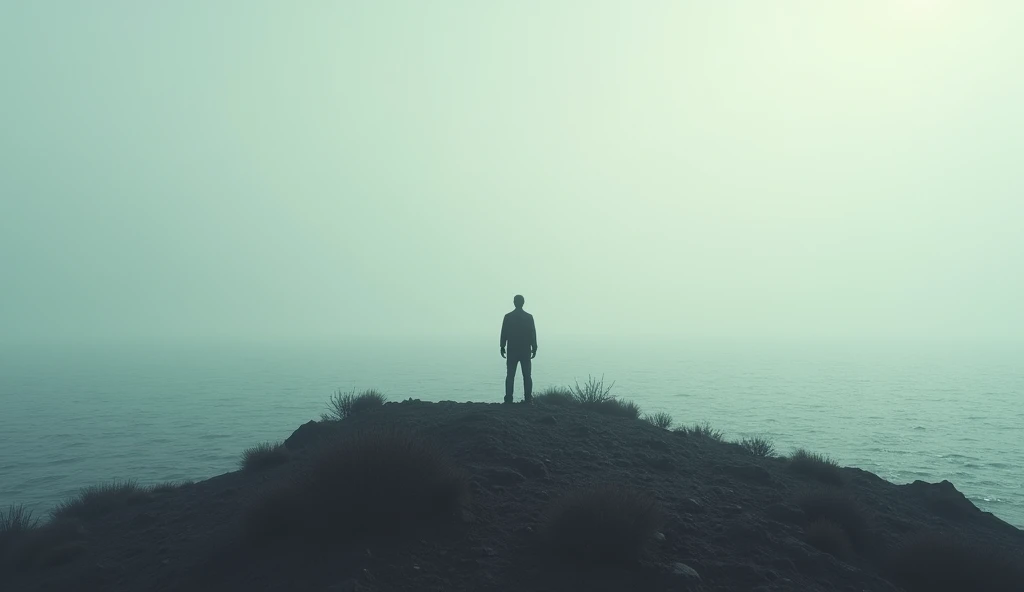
column 241, row 170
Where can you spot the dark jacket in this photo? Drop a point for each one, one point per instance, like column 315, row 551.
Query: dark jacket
column 519, row 332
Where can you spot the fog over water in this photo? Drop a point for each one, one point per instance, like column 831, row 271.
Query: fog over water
column 699, row 190
column 76, row 418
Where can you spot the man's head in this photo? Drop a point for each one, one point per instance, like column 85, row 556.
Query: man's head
column 519, row 301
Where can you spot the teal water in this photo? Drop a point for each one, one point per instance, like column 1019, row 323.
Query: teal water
column 74, row 417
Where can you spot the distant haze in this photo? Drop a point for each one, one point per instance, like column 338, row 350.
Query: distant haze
column 315, row 171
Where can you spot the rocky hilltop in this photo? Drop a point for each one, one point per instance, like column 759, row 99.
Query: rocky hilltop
column 517, row 497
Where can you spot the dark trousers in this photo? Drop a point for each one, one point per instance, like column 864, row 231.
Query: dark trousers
column 523, row 359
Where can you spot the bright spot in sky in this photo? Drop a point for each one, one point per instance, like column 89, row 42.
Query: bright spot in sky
column 919, row 8
column 920, row 12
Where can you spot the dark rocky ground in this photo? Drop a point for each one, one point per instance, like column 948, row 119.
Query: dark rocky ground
column 732, row 518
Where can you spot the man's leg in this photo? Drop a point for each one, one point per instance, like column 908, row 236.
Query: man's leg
column 527, row 364
column 510, row 376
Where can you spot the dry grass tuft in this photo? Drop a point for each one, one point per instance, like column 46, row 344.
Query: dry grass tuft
column 615, row 407
column 591, row 392
column 661, row 419
column 344, row 405
column 555, row 396
column 701, row 430
column 761, row 447
column 263, row 455
column 97, row 500
column 15, row 522
column 816, row 466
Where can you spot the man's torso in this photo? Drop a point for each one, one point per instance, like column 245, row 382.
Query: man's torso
column 519, row 331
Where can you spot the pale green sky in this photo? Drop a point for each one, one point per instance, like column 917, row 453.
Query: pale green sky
column 240, row 170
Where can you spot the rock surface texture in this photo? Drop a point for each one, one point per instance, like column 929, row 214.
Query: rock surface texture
column 732, row 521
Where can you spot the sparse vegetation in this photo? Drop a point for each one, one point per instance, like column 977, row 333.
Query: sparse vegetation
column 816, row 466
column 591, row 392
column 829, row 537
column 616, row 407
column 941, row 563
column 839, row 508
column 701, row 430
column 15, row 521
column 377, row 481
column 593, row 395
column 343, row 405
column 98, row 500
column 759, row 446
column 263, row 455
column 169, row 486
column 555, row 396
column 661, row 419
column 604, row 525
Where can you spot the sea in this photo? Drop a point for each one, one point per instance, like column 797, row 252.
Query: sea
column 76, row 416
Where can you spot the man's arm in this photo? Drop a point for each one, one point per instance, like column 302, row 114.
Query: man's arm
column 533, row 337
column 504, row 335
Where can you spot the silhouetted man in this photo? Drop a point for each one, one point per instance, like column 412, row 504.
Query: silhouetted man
column 519, row 332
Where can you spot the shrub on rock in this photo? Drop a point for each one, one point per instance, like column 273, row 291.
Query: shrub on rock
column 758, row 446
column 555, row 396
column 591, row 392
column 592, row 395
column 661, row 419
column 607, row 524
column 615, row 407
column 815, row 466
column 701, row 430
column 97, row 500
column 373, row 481
column 263, row 455
column 344, row 405
column 15, row 521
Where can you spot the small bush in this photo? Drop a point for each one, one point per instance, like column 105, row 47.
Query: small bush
column 615, row 407
column 701, row 430
column 344, row 405
column 16, row 521
column 98, row 500
column 661, row 419
column 758, row 446
column 373, row 481
column 555, row 396
column 591, row 392
column 263, row 455
column 839, row 508
column 15, row 524
column 941, row 563
column 603, row 525
column 829, row 537
column 816, row 466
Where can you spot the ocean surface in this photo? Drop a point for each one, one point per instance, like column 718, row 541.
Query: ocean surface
column 71, row 417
